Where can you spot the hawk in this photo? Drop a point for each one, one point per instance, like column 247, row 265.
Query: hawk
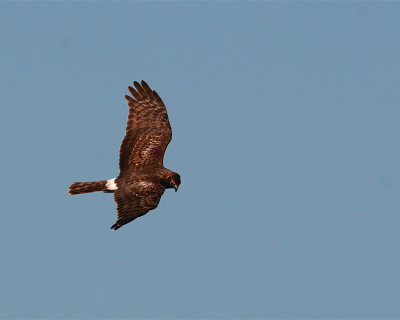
column 142, row 179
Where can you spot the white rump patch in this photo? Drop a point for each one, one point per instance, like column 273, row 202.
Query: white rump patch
column 111, row 185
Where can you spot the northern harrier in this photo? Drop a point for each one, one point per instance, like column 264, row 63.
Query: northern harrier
column 143, row 178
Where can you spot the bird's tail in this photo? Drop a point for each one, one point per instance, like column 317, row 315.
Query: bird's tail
column 86, row 187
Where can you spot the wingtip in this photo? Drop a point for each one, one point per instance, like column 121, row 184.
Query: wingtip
column 129, row 98
column 157, row 97
column 115, row 226
column 134, row 94
column 141, row 91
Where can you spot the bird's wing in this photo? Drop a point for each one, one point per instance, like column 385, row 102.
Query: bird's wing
column 148, row 131
column 132, row 205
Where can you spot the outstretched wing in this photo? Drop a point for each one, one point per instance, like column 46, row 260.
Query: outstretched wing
column 148, row 131
column 131, row 206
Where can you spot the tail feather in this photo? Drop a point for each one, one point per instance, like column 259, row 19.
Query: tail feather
column 86, row 187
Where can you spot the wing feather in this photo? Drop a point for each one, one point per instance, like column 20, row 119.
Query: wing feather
column 140, row 89
column 148, row 131
column 147, row 89
column 130, row 99
column 132, row 205
column 134, row 93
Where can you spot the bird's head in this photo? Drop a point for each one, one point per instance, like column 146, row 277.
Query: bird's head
column 173, row 180
column 170, row 179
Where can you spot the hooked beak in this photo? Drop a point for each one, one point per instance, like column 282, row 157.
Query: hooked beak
column 175, row 187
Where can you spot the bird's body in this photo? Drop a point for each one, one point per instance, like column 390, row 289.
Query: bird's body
column 143, row 178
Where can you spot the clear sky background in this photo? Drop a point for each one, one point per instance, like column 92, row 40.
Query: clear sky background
column 285, row 120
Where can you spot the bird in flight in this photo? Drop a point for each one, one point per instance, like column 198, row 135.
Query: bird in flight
column 142, row 179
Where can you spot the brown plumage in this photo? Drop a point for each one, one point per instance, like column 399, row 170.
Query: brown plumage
column 143, row 178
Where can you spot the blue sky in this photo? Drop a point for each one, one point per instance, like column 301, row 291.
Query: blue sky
column 285, row 120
